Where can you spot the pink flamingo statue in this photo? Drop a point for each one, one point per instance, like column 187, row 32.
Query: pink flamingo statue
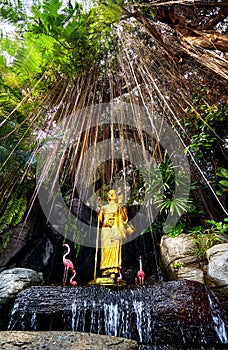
column 140, row 273
column 119, row 278
column 68, row 265
column 72, row 282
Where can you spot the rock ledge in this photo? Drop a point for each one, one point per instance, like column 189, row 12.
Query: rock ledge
column 62, row 340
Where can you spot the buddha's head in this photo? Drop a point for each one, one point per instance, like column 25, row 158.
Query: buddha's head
column 112, row 195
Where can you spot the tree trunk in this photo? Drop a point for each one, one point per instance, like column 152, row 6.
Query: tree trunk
column 208, row 39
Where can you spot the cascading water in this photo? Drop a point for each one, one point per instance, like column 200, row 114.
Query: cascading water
column 219, row 324
column 174, row 313
column 12, row 319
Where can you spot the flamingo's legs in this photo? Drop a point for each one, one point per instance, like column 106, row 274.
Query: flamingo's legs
column 65, row 275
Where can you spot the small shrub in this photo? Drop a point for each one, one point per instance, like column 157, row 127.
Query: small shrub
column 210, row 236
column 178, row 264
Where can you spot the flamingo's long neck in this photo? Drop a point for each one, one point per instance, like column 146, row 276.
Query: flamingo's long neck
column 68, row 251
column 140, row 264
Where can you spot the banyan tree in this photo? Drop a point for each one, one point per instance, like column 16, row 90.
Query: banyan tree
column 61, row 60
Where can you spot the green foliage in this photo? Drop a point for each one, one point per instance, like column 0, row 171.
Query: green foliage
column 205, row 241
column 160, row 188
column 210, row 236
column 15, row 78
column 178, row 264
column 110, row 11
column 16, row 153
column 205, row 238
column 222, row 175
column 53, row 41
column 12, row 11
column 177, row 230
column 182, row 226
column 212, row 227
column 73, row 40
column 217, row 227
column 205, row 124
column 58, row 39
column 13, row 214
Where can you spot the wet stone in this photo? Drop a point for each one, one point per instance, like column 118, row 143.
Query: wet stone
column 11, row 282
column 177, row 313
column 62, row 340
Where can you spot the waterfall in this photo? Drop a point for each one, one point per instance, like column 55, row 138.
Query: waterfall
column 179, row 313
column 12, row 318
column 111, row 319
column 117, row 317
column 138, row 308
column 219, row 324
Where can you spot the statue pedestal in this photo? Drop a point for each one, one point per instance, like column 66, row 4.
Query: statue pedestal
column 107, row 281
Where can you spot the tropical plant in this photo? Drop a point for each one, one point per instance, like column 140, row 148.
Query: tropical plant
column 160, row 185
column 13, row 214
column 205, row 241
column 205, row 124
column 217, row 227
column 213, row 234
column 207, row 148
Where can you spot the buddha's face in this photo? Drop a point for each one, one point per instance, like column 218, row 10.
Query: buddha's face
column 112, row 195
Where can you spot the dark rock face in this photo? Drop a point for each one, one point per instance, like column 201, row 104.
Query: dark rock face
column 174, row 313
column 19, row 238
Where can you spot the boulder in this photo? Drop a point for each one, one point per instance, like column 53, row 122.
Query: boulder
column 63, row 340
column 217, row 271
column 192, row 273
column 218, row 264
column 11, row 282
column 176, row 313
column 179, row 259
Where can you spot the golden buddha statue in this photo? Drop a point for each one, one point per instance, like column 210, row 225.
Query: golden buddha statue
column 112, row 218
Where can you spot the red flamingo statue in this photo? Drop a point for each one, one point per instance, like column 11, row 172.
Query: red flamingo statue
column 73, row 283
column 119, row 278
column 140, row 273
column 68, row 265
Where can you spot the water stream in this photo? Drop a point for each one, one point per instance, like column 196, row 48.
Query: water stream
column 219, row 324
column 176, row 313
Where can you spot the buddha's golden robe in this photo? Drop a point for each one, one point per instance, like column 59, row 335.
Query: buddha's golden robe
column 112, row 218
